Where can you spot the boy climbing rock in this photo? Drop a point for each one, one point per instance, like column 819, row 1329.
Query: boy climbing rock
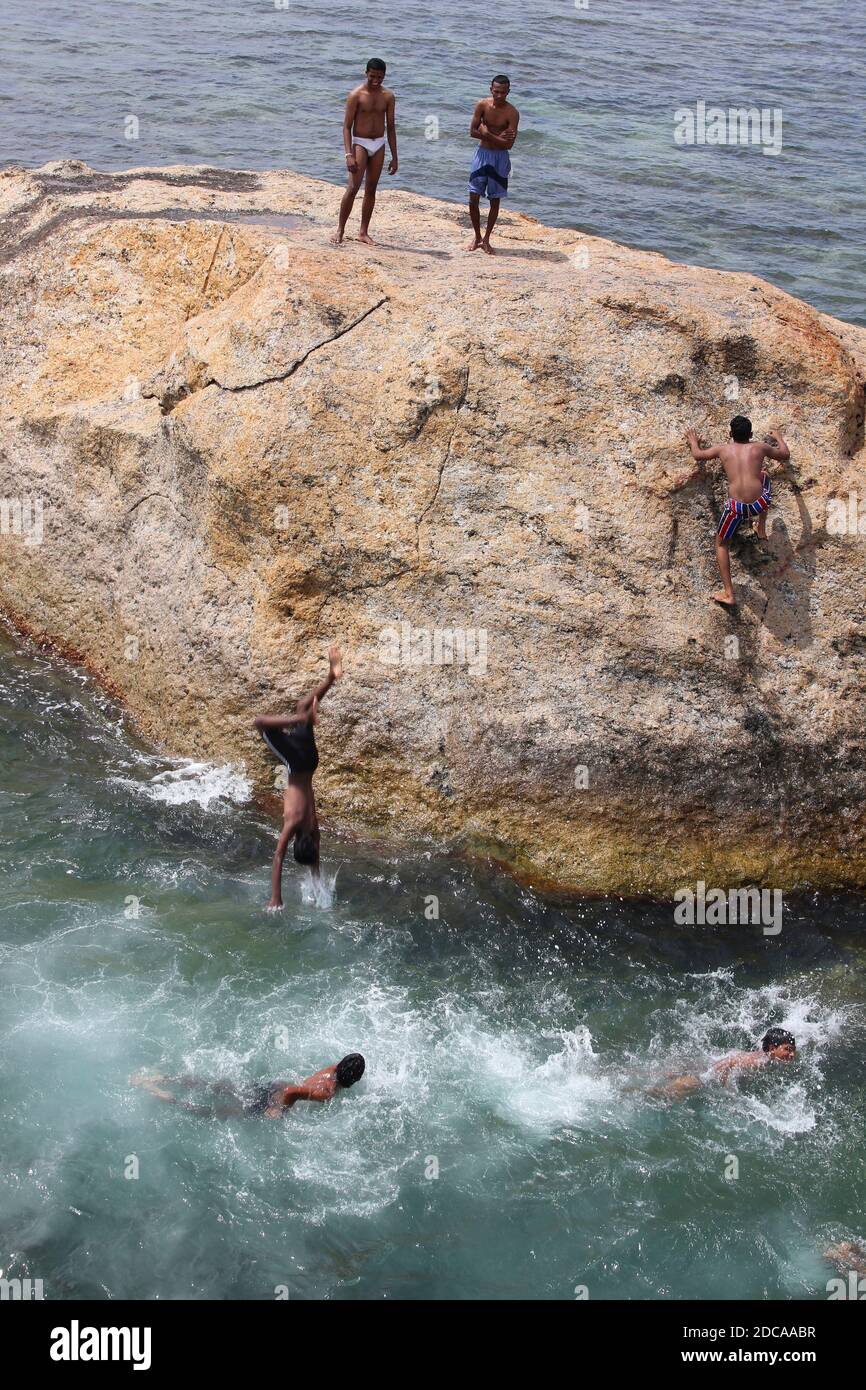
column 749, row 487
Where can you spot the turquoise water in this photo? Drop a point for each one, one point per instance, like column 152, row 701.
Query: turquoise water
column 503, row 1040
column 245, row 84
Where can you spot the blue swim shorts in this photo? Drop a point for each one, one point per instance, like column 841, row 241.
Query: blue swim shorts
column 489, row 174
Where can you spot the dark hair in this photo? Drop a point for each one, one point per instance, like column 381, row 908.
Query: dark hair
column 350, row 1070
column 741, row 429
column 377, row 65
column 500, row 77
column 774, row 1037
column 306, row 848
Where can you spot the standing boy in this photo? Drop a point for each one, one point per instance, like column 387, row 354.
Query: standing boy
column 369, row 114
column 494, row 126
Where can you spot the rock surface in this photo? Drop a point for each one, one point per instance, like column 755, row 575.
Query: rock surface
column 247, row 443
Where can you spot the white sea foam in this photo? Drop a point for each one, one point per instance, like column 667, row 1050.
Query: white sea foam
column 191, row 782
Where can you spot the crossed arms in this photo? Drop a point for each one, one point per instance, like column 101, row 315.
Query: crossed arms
column 479, row 130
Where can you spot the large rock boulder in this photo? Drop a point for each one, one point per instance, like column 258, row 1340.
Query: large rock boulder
column 241, row 443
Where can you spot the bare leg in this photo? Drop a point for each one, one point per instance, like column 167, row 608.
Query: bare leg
column 723, row 556
column 761, row 526
column 374, row 169
column 356, row 176
column 475, row 216
column 676, row 1088
column 153, row 1082
column 335, row 671
column 149, row 1081
column 491, row 223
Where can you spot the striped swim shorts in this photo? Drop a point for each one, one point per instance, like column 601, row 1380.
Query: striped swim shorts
column 736, row 513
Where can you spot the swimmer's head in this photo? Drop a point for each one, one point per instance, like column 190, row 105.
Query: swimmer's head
column 306, row 848
column 350, row 1070
column 779, row 1044
column 375, row 72
column 741, row 429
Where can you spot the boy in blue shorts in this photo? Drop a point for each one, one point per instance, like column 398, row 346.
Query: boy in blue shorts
column 494, row 126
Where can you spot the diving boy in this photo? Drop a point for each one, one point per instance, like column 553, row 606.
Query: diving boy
column 290, row 738
column 749, row 486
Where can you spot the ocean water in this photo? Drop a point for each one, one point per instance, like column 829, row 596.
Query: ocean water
column 260, row 84
column 501, row 1145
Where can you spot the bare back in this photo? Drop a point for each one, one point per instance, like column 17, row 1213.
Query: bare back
column 743, row 464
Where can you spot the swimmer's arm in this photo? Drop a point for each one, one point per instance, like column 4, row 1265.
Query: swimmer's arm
column 699, row 454
column 778, row 451
column 294, row 1093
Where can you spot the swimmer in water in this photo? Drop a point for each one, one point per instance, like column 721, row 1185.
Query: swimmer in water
column 290, row 737
column 749, row 486
column 260, row 1099
column 777, row 1045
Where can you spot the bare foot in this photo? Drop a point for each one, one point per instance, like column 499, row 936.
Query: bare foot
column 366, row 238
column 335, row 656
column 475, row 245
column 485, row 246
column 274, row 907
column 337, row 239
column 726, row 600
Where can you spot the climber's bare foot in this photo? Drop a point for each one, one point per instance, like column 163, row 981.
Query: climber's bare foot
column 335, row 657
column 475, row 245
column 366, row 238
column 337, row 239
column 485, row 246
column 726, row 600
